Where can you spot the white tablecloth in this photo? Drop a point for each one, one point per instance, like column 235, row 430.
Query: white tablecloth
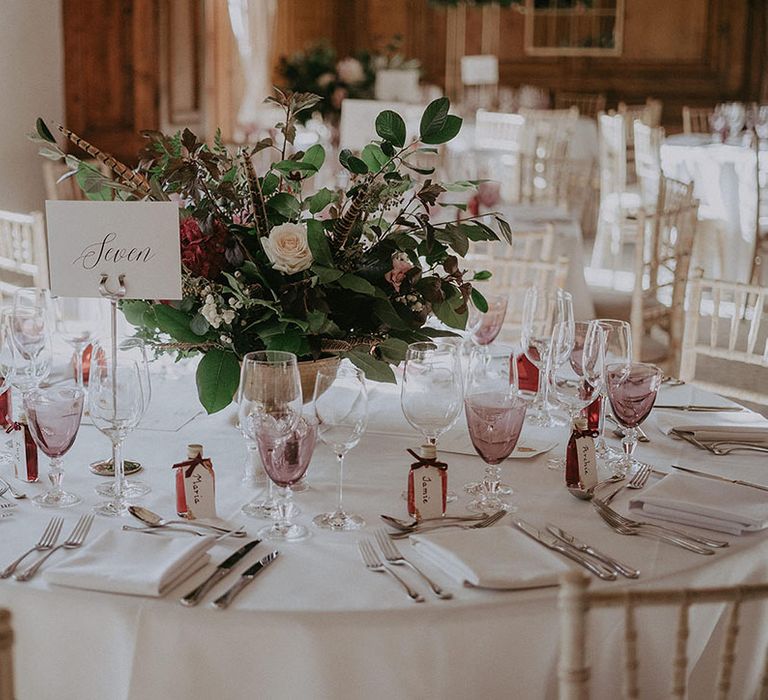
column 317, row 624
column 725, row 181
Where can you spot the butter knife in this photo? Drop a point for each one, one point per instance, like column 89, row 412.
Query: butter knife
column 245, row 578
column 194, row 596
column 700, row 409
column 614, row 564
column 599, row 570
column 720, row 478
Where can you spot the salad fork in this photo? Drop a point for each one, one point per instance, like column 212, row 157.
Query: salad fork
column 75, row 540
column 46, row 541
column 408, row 525
column 487, row 522
column 394, row 556
column 372, row 562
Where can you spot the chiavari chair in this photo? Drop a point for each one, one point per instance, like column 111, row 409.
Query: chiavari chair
column 726, row 339
column 649, row 114
column 589, row 105
column 6, row 656
column 576, row 601
column 662, row 261
column 696, row 120
column 23, row 257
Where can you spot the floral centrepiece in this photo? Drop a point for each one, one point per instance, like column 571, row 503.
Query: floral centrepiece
column 353, row 273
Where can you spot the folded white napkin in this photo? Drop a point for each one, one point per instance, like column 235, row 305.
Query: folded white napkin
column 494, row 557
column 702, row 502
column 708, row 427
column 136, row 564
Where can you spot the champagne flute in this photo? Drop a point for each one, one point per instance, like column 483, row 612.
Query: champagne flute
column 285, row 460
column 618, row 350
column 54, row 416
column 632, row 390
column 269, row 399
column 542, row 313
column 116, row 402
column 130, row 350
column 495, row 414
column 485, row 326
column 341, row 407
column 577, row 382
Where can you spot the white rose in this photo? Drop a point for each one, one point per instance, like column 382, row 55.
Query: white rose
column 325, row 80
column 287, row 248
column 350, row 71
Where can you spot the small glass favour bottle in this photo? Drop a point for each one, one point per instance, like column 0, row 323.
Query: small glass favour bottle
column 23, row 450
column 427, row 484
column 195, row 485
column 527, row 374
column 580, row 461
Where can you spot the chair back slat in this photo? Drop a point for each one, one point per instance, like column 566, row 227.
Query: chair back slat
column 680, row 672
column 588, row 104
column 696, row 121
column 6, row 656
column 631, row 662
column 612, row 153
column 728, row 657
column 23, row 257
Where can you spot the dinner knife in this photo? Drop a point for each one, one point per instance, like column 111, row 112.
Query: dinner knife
column 700, row 409
column 194, row 596
column 550, row 541
column 614, row 564
column 706, row 475
column 245, row 578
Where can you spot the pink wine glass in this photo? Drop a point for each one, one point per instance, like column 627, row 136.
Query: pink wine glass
column 632, row 389
column 285, row 460
column 486, row 326
column 495, row 414
column 54, row 416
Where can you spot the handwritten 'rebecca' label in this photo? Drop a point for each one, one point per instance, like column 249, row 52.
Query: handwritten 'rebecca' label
column 585, row 452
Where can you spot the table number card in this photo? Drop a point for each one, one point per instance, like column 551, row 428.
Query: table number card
column 137, row 239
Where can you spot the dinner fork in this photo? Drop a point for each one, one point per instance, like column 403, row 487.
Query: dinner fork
column 46, row 541
column 639, row 524
column 75, row 540
column 637, row 481
column 715, row 448
column 408, row 525
column 490, row 520
column 372, row 562
column 394, row 556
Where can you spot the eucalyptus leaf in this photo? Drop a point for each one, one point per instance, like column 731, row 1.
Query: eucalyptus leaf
column 357, row 284
column 318, row 243
column 434, row 117
column 393, row 350
column 43, row 131
column 480, row 302
column 450, row 130
column 320, row 200
column 391, row 127
column 375, row 370
column 314, row 155
column 175, row 323
column 218, row 376
column 446, row 312
column 482, row 275
column 374, row 157
column 199, row 325
column 284, row 204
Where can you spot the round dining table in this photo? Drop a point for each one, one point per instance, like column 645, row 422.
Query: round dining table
column 317, row 623
column 725, row 182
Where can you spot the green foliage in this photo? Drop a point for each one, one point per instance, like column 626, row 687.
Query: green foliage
column 391, row 127
column 218, row 376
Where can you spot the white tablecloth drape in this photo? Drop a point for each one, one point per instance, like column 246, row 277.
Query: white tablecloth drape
column 725, row 182
column 317, row 624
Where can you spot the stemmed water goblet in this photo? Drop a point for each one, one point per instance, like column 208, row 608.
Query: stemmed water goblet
column 543, row 312
column 269, row 400
column 618, row 350
column 116, row 402
column 495, row 414
column 632, row 389
column 432, row 391
column 54, row 416
column 577, row 382
column 485, row 326
column 285, row 460
column 340, row 403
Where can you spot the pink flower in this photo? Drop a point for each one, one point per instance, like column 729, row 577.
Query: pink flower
column 400, row 266
column 489, row 193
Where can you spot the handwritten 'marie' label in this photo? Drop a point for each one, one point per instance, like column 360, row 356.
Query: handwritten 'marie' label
column 585, row 451
column 200, row 494
column 104, row 251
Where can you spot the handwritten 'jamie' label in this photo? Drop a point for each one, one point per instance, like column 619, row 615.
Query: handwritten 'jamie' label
column 139, row 240
column 585, row 452
column 200, row 494
column 427, row 492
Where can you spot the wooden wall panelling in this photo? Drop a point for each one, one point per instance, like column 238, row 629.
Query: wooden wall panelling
column 111, row 72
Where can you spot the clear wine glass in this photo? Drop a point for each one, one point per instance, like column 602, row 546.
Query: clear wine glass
column 76, row 329
column 116, row 403
column 54, row 416
column 543, row 312
column 285, row 460
column 495, row 414
column 632, row 389
column 23, row 370
column 341, row 406
column 484, row 327
column 577, row 382
column 270, row 400
column 129, row 350
column 618, row 350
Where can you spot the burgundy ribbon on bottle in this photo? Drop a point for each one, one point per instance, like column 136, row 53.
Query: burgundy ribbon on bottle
column 190, row 464
column 422, row 460
column 14, row 426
